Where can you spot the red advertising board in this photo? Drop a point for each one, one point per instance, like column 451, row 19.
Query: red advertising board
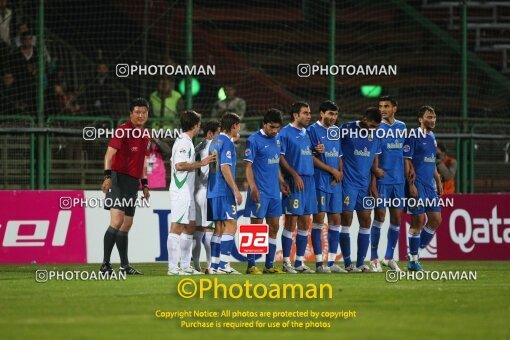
column 474, row 227
column 34, row 227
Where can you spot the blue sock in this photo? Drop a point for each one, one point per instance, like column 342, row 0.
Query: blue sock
column 333, row 239
column 227, row 241
column 414, row 243
column 363, row 243
column 286, row 242
column 271, row 253
column 393, row 233
column 345, row 245
column 426, row 235
column 251, row 260
column 375, row 234
column 301, row 243
column 317, row 242
column 215, row 251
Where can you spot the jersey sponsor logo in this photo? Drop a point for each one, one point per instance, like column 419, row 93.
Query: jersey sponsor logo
column 229, row 154
column 134, row 148
column 332, row 153
column 306, row 152
column 274, row 160
column 364, row 153
column 431, row 159
column 395, row 145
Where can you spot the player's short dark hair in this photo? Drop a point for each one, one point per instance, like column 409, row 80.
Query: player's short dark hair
column 442, row 147
column 228, row 120
column 373, row 114
column 273, row 116
column 296, row 107
column 139, row 102
column 423, row 109
column 328, row 105
column 211, row 125
column 390, row 99
column 189, row 119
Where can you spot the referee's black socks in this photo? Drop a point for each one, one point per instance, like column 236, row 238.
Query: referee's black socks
column 122, row 245
column 109, row 242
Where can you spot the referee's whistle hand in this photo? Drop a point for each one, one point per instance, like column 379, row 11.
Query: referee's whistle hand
column 107, row 184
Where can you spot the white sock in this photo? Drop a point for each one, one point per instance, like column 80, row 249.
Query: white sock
column 207, row 246
column 186, row 241
column 173, row 248
column 197, row 248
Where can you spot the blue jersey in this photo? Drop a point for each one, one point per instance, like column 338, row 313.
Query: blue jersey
column 223, row 147
column 391, row 160
column 422, row 151
column 264, row 154
column 359, row 154
column 331, row 156
column 297, row 149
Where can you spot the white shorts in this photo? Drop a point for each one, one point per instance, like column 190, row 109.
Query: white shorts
column 180, row 207
column 201, row 209
column 192, row 211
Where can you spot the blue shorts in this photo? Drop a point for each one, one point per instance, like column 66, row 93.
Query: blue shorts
column 266, row 207
column 301, row 202
column 329, row 202
column 393, row 192
column 221, row 208
column 427, row 201
column 356, row 199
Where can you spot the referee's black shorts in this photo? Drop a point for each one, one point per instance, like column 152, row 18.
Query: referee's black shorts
column 123, row 193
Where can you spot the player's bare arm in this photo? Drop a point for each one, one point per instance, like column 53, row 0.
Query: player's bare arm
column 439, row 185
column 254, row 191
column 284, row 186
column 376, row 170
column 185, row 166
column 107, row 183
column 297, row 179
column 145, row 188
column 227, row 174
column 337, row 175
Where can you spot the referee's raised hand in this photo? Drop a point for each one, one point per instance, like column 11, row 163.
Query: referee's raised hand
column 107, row 184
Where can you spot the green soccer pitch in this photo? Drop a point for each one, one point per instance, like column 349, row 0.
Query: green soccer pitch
column 126, row 309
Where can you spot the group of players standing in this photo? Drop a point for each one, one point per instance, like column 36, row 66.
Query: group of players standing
column 297, row 170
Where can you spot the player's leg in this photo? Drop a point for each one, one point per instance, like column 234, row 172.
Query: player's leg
column 256, row 211
column 334, row 228
column 349, row 202
column 309, row 207
column 198, row 235
column 433, row 212
column 116, row 219
column 375, row 230
column 317, row 226
column 274, row 226
column 173, row 246
column 364, row 220
column 227, row 243
column 186, row 242
column 219, row 227
column 251, row 265
column 208, row 234
column 290, row 223
column 393, row 233
column 417, row 221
